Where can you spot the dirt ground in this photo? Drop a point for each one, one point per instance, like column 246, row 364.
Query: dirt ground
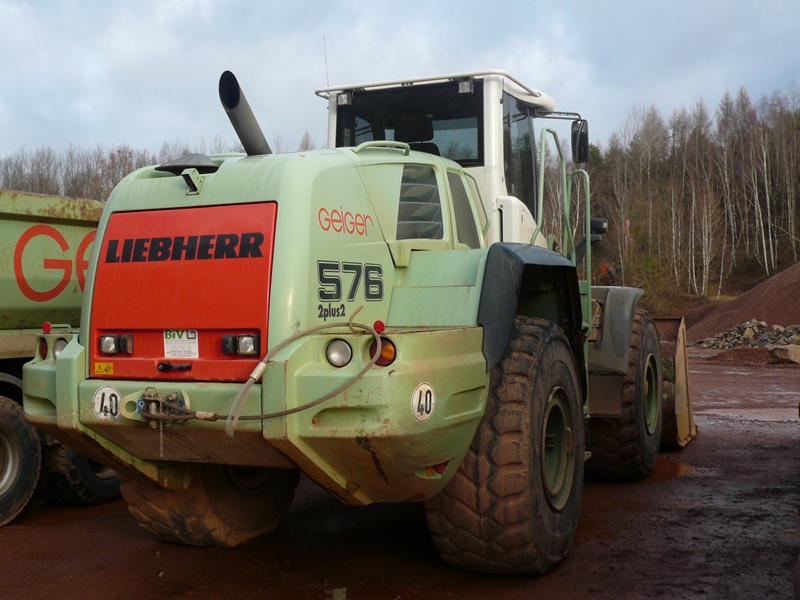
column 716, row 520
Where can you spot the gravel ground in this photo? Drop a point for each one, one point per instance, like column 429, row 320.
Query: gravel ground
column 718, row 519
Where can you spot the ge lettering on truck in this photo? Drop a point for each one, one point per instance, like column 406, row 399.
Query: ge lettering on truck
column 64, row 263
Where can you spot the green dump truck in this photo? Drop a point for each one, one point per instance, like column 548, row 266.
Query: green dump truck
column 388, row 316
column 45, row 243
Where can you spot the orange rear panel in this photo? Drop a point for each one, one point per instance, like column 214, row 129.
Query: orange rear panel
column 168, row 275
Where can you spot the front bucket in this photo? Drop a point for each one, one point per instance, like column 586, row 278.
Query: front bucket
column 679, row 427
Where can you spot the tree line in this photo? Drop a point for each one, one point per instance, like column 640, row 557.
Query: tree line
column 697, row 203
column 80, row 173
column 701, row 204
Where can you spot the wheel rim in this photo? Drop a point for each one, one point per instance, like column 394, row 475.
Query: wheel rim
column 651, row 395
column 558, row 456
column 9, row 461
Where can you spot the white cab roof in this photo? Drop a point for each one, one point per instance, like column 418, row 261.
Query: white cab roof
column 510, row 84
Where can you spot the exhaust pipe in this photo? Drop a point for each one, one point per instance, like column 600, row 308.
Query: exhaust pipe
column 241, row 116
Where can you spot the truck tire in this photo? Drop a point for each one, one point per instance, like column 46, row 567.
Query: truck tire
column 20, row 460
column 626, row 448
column 222, row 506
column 513, row 505
column 75, row 479
column 796, row 580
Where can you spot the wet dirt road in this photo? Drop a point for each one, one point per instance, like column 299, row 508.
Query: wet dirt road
column 716, row 520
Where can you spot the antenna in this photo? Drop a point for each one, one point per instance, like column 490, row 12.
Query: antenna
column 325, row 50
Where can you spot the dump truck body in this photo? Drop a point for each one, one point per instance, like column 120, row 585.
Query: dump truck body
column 45, row 242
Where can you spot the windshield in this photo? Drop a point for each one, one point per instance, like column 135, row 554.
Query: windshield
column 431, row 118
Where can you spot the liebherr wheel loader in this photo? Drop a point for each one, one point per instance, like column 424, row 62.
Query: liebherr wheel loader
column 388, row 316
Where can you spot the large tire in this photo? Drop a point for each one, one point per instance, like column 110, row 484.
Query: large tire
column 626, row 448
column 223, row 506
column 20, row 460
column 75, row 479
column 796, row 580
column 513, row 505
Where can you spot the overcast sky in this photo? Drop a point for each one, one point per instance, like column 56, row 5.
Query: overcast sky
column 143, row 73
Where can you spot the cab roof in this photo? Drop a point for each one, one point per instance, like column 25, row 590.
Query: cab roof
column 511, row 84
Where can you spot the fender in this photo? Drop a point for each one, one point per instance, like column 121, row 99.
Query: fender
column 532, row 281
column 609, row 354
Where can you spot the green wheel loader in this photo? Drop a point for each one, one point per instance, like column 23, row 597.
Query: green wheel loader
column 388, row 316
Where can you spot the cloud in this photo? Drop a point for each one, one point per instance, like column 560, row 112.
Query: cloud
column 92, row 72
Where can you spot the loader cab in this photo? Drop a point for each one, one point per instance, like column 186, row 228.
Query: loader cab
column 437, row 118
column 484, row 121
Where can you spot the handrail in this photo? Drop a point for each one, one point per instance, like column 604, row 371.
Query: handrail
column 391, row 144
column 567, row 182
column 581, row 173
column 568, row 242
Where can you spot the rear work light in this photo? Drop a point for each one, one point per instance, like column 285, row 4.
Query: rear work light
column 247, row 344
column 116, row 344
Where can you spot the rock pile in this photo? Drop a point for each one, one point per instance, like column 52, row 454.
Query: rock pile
column 752, row 334
column 776, row 301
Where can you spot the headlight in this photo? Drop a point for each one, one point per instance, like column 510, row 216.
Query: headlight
column 247, row 344
column 116, row 344
column 109, row 344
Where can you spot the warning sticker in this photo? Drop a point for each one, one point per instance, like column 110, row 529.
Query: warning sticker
column 180, row 343
column 103, row 368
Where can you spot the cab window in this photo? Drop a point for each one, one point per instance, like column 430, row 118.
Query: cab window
column 466, row 230
column 420, row 210
column 432, row 118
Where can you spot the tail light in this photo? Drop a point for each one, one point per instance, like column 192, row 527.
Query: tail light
column 388, row 352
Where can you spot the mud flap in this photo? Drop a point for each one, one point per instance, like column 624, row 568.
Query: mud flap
column 679, row 428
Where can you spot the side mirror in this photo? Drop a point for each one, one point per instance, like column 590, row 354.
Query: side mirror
column 580, row 141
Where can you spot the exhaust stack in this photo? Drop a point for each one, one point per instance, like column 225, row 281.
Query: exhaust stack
column 241, row 116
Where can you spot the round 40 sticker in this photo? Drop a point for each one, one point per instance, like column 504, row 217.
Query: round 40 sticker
column 105, row 403
column 423, row 402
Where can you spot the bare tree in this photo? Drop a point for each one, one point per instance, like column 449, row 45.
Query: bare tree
column 307, row 143
column 278, row 146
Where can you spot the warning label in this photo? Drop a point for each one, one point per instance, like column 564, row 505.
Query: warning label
column 180, row 343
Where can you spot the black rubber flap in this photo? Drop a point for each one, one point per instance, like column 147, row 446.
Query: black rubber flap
column 201, row 162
